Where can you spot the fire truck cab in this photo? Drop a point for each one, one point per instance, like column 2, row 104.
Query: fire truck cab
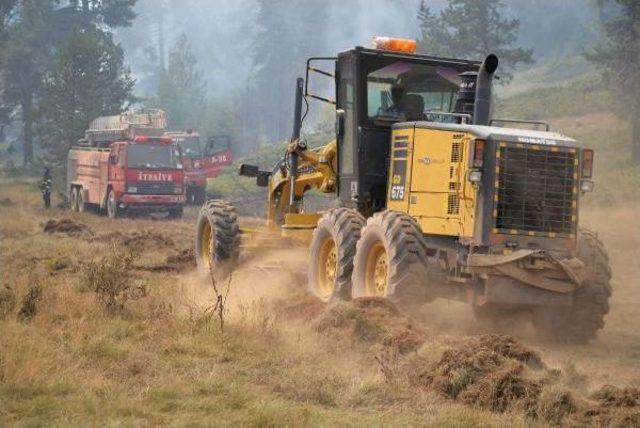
column 201, row 161
column 119, row 169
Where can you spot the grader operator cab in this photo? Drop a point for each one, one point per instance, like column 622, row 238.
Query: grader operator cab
column 435, row 199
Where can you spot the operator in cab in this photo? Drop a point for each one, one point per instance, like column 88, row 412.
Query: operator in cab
column 396, row 109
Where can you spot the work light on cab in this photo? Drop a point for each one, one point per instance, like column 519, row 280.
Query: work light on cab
column 394, row 44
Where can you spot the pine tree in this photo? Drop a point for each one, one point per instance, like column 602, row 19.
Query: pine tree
column 619, row 57
column 26, row 51
column 182, row 89
column 144, row 44
column 7, row 11
column 31, row 32
column 111, row 13
column 88, row 79
column 471, row 29
column 288, row 34
column 433, row 36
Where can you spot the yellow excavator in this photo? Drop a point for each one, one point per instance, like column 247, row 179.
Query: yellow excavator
column 436, row 198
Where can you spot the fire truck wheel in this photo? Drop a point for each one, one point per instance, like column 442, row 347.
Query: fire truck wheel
column 112, row 205
column 199, row 196
column 175, row 213
column 80, row 204
column 217, row 237
column 73, row 199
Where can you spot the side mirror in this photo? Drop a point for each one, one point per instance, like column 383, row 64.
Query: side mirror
column 340, row 118
column 249, row 170
column 262, row 177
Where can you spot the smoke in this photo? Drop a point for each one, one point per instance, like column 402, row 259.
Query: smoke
column 226, row 37
column 222, row 34
column 354, row 23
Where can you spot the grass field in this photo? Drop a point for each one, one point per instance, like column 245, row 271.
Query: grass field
column 163, row 359
column 106, row 322
column 282, row 360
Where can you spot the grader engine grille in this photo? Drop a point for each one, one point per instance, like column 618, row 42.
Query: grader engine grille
column 536, row 190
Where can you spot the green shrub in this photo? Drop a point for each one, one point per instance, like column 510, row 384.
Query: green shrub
column 111, row 279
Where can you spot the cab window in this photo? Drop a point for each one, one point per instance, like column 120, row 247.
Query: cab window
column 190, row 146
column 160, row 156
column 218, row 144
column 404, row 91
column 117, row 157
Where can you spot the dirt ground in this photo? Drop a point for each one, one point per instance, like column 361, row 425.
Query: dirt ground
column 156, row 355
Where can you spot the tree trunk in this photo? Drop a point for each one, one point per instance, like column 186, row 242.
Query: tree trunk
column 27, row 129
column 635, row 137
column 161, row 48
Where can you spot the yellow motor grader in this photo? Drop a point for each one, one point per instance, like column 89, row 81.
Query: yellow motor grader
column 435, row 197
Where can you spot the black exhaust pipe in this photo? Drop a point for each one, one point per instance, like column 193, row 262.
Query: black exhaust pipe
column 297, row 125
column 484, row 84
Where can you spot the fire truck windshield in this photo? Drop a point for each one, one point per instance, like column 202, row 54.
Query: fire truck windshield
column 190, row 146
column 152, row 156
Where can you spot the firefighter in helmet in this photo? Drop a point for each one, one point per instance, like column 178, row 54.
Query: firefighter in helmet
column 46, row 186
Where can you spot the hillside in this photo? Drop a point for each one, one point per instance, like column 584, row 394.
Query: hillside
column 583, row 108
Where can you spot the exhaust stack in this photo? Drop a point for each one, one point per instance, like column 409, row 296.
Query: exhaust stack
column 482, row 107
column 297, row 125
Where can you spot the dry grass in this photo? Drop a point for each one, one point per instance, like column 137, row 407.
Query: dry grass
column 162, row 361
column 285, row 360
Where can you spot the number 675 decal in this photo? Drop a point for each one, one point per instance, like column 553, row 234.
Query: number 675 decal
column 397, row 193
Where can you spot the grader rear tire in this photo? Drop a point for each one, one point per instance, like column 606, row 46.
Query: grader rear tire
column 581, row 322
column 217, row 237
column 331, row 253
column 391, row 261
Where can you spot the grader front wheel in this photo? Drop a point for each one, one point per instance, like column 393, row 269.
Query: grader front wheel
column 217, row 236
column 331, row 254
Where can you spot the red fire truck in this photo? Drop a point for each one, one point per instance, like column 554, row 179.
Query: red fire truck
column 201, row 163
column 121, row 166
